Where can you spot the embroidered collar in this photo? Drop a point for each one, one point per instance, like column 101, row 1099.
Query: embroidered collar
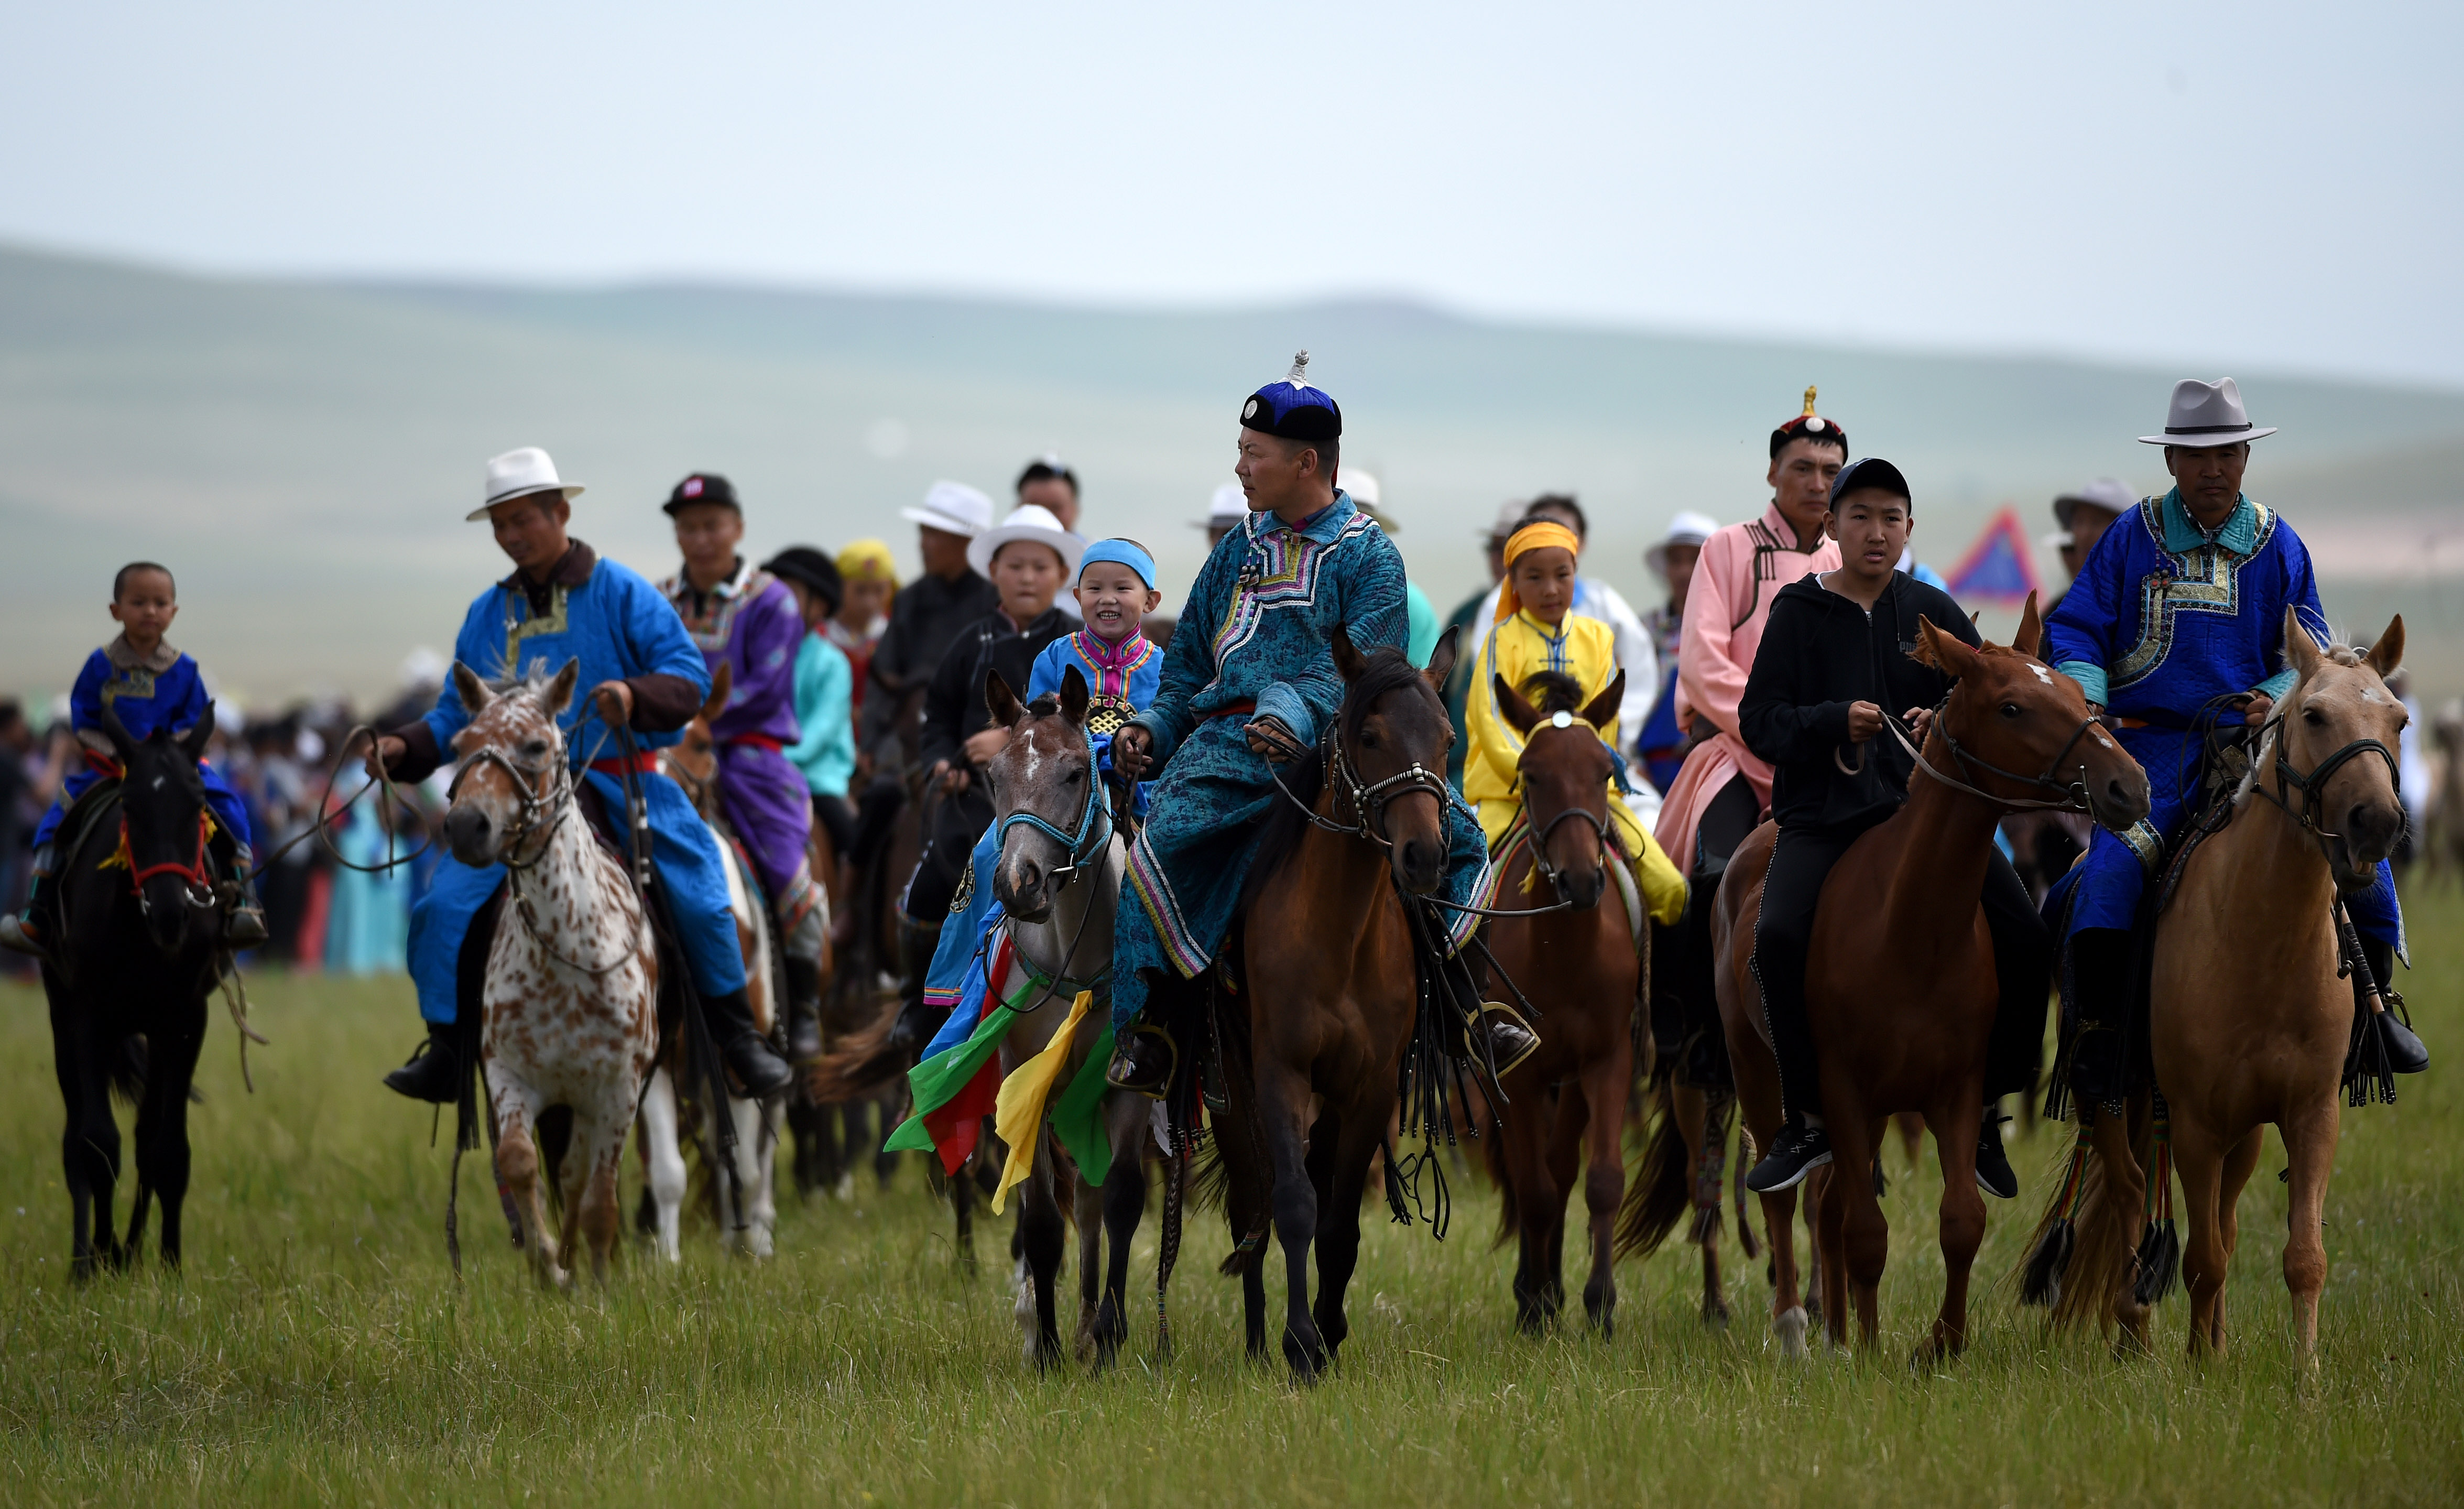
column 2183, row 534
column 1103, row 657
column 727, row 588
column 124, row 656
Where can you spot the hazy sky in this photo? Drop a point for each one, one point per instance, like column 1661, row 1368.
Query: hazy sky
column 2256, row 185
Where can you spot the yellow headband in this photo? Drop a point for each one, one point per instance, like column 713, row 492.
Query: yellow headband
column 1538, row 534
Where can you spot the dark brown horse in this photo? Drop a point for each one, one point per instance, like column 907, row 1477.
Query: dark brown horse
column 1899, row 982
column 1314, row 1042
column 1581, row 967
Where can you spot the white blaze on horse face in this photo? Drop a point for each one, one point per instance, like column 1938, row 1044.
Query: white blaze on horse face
column 2042, row 675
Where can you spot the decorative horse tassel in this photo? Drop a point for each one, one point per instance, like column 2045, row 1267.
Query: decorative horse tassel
column 2159, row 1251
column 2368, row 1075
column 2041, row 1282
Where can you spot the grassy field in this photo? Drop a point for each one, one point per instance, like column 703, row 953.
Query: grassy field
column 317, row 1351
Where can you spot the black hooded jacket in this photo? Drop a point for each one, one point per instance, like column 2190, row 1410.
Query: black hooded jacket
column 1819, row 652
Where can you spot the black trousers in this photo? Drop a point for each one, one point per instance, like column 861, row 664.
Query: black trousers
column 838, row 819
column 2023, row 956
column 1685, row 1007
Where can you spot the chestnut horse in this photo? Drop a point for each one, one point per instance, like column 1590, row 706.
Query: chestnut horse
column 2249, row 1023
column 1582, row 964
column 1900, row 984
column 1312, row 1065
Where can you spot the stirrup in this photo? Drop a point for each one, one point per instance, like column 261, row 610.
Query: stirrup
column 1124, row 1072
column 1510, row 1038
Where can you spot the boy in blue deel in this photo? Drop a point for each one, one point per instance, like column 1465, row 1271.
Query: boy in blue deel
column 149, row 686
column 1122, row 668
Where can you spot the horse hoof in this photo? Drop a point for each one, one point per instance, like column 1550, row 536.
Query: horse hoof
column 1789, row 1326
column 1715, row 1318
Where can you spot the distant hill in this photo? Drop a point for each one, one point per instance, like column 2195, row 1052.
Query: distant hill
column 302, row 453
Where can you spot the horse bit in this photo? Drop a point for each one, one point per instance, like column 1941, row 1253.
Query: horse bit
column 2073, row 794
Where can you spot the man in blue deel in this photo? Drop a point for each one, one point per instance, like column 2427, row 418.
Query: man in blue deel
column 562, row 602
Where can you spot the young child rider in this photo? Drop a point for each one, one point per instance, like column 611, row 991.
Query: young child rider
column 1833, row 656
column 1536, row 632
column 1115, row 590
column 151, row 687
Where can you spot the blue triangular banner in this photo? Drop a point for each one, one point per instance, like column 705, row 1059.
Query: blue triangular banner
column 1998, row 567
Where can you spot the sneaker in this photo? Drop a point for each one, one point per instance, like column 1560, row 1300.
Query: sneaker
column 1143, row 1061
column 1796, row 1152
column 2406, row 1053
column 1994, row 1172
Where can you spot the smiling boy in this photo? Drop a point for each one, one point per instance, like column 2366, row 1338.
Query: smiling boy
column 1833, row 657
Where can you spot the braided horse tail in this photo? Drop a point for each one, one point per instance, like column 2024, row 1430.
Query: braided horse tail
column 2096, row 1253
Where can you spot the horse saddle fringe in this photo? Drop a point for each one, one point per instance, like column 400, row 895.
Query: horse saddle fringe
column 2041, row 1282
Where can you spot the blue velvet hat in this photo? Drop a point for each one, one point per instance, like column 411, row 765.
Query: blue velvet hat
column 1292, row 410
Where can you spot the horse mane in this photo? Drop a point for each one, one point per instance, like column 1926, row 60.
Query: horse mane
column 1388, row 670
column 2264, row 759
column 1554, row 691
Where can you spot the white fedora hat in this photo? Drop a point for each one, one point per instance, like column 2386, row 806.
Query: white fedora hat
column 2105, row 493
column 1368, row 496
column 954, row 508
column 1686, row 528
column 2205, row 415
column 1033, row 522
column 1225, row 509
column 519, row 472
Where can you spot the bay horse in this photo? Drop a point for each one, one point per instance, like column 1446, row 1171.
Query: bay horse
column 1582, row 967
column 1328, row 994
column 140, row 945
column 1900, row 984
column 1059, row 884
column 2249, row 1022
column 571, row 997
column 743, row 1199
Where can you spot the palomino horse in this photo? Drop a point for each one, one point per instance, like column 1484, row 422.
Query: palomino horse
column 1311, row 1067
column 140, row 945
column 1059, row 881
column 1582, row 963
column 2249, row 1023
column 571, row 999
column 743, row 1199
column 1899, row 980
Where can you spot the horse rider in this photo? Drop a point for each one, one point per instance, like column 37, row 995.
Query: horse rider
column 751, row 622
column 1723, row 788
column 563, row 602
column 1249, row 683
column 1659, row 750
column 2083, row 516
column 924, row 617
column 1028, row 560
column 1833, row 663
column 2175, row 624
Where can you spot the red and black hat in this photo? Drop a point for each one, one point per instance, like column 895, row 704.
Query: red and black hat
column 1810, row 425
column 702, row 487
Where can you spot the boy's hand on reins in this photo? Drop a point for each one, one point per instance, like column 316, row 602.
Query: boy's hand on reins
column 1864, row 721
column 1918, row 719
column 1133, row 747
column 614, row 701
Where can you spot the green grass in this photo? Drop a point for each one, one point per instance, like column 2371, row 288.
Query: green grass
column 317, row 1350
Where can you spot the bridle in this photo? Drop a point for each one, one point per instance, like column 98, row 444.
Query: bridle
column 2313, row 785
column 1368, row 798
column 196, row 875
column 1089, row 837
column 1598, row 822
column 542, row 814
column 2069, row 796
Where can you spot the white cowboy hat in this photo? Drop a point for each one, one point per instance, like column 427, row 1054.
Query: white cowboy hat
column 1225, row 509
column 1686, row 528
column 518, row 473
column 954, row 508
column 1035, row 522
column 1510, row 518
column 1367, row 497
column 2206, row 415
column 2103, row 493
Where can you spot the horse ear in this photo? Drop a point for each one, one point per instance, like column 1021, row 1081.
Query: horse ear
column 1000, row 700
column 2301, row 651
column 1520, row 716
column 193, row 743
column 473, row 691
column 557, row 695
column 2032, row 629
column 118, row 732
column 1442, row 661
column 2389, row 652
column 1945, row 652
column 723, row 681
column 1347, row 659
column 1603, row 708
column 1074, row 696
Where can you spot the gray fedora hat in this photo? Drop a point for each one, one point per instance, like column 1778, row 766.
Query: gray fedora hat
column 2205, row 415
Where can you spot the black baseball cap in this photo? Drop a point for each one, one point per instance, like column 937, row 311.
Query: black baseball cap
column 1870, row 472
column 702, row 487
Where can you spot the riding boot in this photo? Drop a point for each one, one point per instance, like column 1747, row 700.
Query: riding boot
column 1503, row 1036
column 2406, row 1053
column 1995, row 1174
column 804, row 1009
column 2101, row 992
column 748, row 1054
column 916, row 944
column 244, row 927
column 434, row 1072
column 1144, row 1060
column 24, row 934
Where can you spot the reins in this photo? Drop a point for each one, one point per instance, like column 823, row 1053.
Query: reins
column 2313, row 785
column 2074, row 794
